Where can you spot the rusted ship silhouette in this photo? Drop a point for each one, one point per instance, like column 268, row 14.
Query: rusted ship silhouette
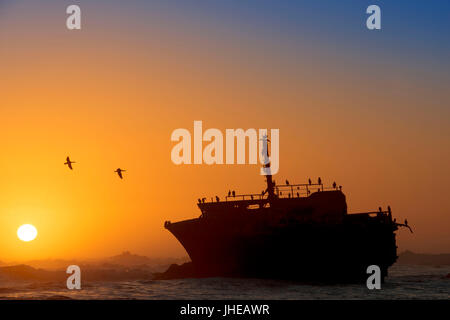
column 297, row 232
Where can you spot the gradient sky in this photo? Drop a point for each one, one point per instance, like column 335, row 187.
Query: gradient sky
column 369, row 109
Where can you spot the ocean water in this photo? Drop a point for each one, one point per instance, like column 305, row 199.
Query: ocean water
column 404, row 282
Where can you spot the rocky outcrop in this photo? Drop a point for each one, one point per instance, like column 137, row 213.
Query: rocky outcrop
column 175, row 271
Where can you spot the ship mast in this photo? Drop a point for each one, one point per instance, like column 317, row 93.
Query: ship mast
column 266, row 168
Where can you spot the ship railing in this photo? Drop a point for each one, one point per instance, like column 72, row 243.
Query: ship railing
column 284, row 191
column 300, row 190
column 253, row 196
column 381, row 215
column 371, row 213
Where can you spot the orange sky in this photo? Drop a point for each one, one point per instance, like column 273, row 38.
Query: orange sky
column 111, row 95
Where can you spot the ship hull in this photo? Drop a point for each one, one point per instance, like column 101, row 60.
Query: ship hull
column 306, row 252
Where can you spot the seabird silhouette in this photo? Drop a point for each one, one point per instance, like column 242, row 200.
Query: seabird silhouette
column 119, row 172
column 69, row 163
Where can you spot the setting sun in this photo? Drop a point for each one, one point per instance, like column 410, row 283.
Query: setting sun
column 27, row 232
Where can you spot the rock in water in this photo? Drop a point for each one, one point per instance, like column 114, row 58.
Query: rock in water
column 175, row 271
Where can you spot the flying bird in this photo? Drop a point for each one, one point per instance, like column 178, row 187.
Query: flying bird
column 69, row 163
column 119, row 172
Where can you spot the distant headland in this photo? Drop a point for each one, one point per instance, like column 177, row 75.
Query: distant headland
column 409, row 257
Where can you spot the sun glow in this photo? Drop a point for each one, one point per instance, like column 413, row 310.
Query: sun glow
column 27, row 232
